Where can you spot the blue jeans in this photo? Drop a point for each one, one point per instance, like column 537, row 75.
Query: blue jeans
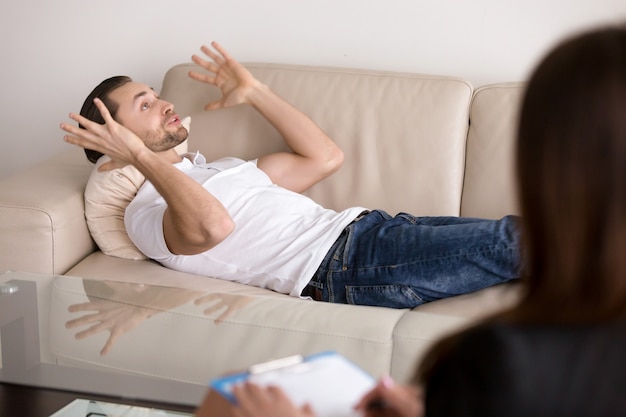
column 405, row 261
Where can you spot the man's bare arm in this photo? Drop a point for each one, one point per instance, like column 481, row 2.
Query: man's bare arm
column 194, row 220
column 315, row 156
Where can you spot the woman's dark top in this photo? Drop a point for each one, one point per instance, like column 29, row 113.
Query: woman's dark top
column 522, row 370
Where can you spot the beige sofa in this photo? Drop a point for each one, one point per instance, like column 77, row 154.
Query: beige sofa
column 427, row 145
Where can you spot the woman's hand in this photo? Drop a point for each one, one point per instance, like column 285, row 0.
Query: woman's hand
column 256, row 401
column 387, row 399
column 227, row 74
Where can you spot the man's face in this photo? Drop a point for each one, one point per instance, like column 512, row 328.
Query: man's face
column 152, row 119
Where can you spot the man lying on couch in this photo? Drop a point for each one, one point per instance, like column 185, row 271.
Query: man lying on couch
column 247, row 221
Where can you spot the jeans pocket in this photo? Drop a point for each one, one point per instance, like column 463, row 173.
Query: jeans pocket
column 392, row 296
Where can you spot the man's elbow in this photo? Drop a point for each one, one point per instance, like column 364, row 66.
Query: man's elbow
column 228, row 227
column 204, row 237
column 219, row 231
column 335, row 161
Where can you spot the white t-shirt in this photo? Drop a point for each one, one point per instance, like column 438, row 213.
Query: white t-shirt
column 280, row 237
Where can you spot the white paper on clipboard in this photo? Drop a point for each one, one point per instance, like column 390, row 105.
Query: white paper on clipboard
column 327, row 381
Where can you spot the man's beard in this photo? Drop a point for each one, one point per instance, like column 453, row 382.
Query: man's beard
column 167, row 140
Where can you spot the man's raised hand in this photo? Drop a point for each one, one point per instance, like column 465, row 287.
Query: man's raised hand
column 110, row 138
column 227, row 74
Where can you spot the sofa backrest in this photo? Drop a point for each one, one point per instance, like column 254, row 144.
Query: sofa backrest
column 403, row 135
column 489, row 189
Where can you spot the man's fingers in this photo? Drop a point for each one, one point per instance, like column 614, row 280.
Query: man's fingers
column 217, row 104
column 91, row 129
column 209, row 66
column 89, row 124
column 83, row 121
column 71, row 129
column 84, row 142
column 106, row 115
column 219, row 60
column 74, row 140
column 205, row 78
column 90, row 137
column 221, row 50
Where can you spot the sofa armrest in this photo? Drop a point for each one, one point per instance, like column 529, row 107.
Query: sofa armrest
column 42, row 216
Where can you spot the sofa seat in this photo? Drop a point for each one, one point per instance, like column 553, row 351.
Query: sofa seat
column 381, row 340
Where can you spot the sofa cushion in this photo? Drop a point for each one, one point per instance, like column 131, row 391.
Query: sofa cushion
column 106, row 196
column 489, row 186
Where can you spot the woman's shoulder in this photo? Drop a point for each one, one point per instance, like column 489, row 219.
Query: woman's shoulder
column 541, row 335
column 530, row 345
column 501, row 365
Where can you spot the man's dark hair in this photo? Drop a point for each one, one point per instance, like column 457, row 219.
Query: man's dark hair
column 91, row 112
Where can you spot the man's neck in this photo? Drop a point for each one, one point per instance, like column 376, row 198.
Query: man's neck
column 170, row 155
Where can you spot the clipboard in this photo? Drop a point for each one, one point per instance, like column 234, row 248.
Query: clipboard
column 328, row 381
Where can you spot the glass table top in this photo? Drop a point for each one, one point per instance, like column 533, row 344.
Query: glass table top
column 101, row 337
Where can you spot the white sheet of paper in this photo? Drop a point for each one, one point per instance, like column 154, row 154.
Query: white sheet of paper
column 329, row 382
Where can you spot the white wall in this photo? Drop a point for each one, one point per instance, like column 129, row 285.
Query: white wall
column 54, row 52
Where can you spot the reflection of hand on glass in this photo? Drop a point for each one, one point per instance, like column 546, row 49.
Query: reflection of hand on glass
column 231, row 303
column 120, row 307
column 117, row 318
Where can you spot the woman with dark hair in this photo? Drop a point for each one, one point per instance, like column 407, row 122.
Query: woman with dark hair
column 561, row 350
